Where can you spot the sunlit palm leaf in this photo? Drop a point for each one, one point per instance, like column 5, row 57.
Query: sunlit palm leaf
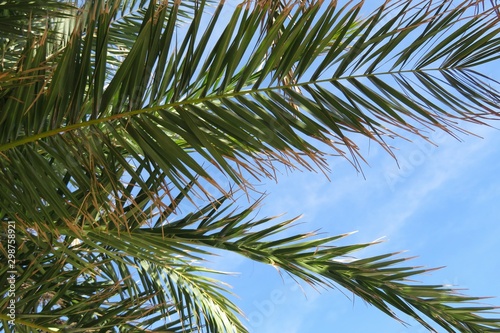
column 104, row 134
column 148, row 275
column 114, row 280
column 21, row 22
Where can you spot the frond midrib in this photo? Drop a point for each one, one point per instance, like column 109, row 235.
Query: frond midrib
column 200, row 100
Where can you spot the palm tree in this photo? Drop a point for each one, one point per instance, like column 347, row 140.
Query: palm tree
column 127, row 127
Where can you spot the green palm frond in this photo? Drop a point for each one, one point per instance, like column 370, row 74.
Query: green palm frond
column 350, row 90
column 114, row 280
column 108, row 121
column 24, row 24
column 150, row 275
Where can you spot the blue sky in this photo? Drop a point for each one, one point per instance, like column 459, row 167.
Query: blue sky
column 443, row 208
column 440, row 204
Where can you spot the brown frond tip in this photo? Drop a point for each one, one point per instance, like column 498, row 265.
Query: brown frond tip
column 481, row 6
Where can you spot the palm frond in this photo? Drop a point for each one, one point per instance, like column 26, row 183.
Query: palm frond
column 150, row 275
column 105, row 132
column 23, row 23
column 112, row 281
column 349, row 89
